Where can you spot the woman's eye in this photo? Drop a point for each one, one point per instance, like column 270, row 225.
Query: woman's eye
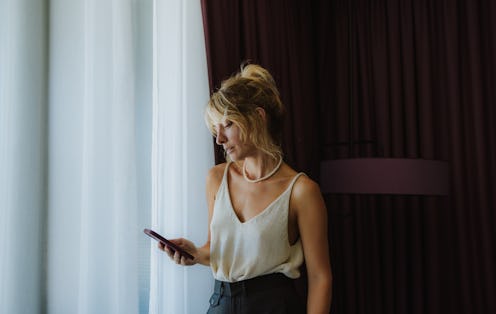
column 228, row 124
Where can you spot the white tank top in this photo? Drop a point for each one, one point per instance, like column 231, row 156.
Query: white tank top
column 259, row 246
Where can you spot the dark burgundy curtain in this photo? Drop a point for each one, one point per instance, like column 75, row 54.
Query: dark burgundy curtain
column 274, row 34
column 408, row 79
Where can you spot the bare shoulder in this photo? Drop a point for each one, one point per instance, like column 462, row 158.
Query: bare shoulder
column 305, row 188
column 217, row 171
column 307, row 198
column 214, row 176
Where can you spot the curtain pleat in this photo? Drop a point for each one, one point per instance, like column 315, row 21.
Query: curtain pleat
column 95, row 231
column 70, row 232
column 23, row 154
column 181, row 156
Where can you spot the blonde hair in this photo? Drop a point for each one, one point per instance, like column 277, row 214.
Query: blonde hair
column 237, row 100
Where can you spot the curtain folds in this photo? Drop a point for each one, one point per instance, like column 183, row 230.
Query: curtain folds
column 93, row 96
column 181, row 156
column 94, row 226
column 23, row 154
column 75, row 155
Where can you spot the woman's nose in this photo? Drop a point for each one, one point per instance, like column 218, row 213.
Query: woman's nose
column 220, row 139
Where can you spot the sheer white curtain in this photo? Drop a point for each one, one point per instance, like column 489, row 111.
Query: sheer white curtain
column 94, row 219
column 79, row 83
column 182, row 154
column 23, row 54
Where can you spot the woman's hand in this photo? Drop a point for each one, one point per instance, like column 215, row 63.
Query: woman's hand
column 176, row 256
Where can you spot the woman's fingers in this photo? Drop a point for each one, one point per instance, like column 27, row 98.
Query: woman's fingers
column 166, row 249
column 175, row 255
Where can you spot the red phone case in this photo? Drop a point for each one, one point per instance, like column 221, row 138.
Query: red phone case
column 171, row 245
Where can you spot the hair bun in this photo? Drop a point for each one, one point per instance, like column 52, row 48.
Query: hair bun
column 257, row 73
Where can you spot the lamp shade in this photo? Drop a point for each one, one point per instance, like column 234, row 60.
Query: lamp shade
column 384, row 176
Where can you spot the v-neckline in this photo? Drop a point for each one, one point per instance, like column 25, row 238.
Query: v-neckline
column 266, row 209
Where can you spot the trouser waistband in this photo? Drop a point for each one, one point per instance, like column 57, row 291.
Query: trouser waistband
column 270, row 281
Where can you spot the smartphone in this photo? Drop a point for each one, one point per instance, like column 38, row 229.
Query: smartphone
column 168, row 243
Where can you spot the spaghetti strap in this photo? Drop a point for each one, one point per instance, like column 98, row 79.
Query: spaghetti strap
column 299, row 174
column 226, row 169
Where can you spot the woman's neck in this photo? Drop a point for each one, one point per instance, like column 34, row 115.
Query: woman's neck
column 261, row 167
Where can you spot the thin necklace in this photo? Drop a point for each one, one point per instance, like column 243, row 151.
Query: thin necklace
column 262, row 178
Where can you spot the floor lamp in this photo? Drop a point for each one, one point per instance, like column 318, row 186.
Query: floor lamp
column 379, row 175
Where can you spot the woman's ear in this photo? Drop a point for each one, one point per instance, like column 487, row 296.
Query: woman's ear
column 261, row 112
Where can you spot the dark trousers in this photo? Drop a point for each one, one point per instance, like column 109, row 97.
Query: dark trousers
column 269, row 294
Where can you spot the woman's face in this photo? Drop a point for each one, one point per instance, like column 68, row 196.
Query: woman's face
column 228, row 135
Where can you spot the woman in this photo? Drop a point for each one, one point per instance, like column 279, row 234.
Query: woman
column 265, row 219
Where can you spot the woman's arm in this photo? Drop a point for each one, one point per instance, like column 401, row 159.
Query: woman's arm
column 311, row 215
